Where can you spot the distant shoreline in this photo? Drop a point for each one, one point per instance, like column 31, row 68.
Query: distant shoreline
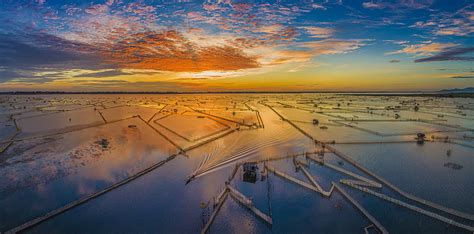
column 361, row 93
column 453, row 95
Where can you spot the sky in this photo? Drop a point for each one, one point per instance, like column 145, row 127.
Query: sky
column 226, row 45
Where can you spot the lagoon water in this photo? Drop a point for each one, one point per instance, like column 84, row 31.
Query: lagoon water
column 168, row 157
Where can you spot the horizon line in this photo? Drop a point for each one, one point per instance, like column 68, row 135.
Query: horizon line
column 457, row 91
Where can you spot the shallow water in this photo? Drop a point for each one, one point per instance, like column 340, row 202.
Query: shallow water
column 68, row 147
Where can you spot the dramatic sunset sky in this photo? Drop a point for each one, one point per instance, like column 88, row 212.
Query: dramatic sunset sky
column 225, row 45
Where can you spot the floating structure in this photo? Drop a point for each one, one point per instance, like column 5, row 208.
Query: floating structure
column 319, row 189
column 250, row 172
column 249, row 204
column 315, row 184
column 359, row 207
column 409, row 196
column 420, row 138
column 411, row 207
column 454, row 166
column 401, row 192
column 294, row 180
column 219, row 201
column 353, row 175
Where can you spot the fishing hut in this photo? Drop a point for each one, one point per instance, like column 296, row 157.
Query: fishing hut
column 420, row 138
column 250, row 172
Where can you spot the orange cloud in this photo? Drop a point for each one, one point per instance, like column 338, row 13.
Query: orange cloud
column 291, row 56
column 171, row 51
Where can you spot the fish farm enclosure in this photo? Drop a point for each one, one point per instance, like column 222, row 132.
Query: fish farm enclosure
column 236, row 163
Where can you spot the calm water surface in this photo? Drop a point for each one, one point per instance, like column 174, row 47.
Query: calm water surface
column 56, row 149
